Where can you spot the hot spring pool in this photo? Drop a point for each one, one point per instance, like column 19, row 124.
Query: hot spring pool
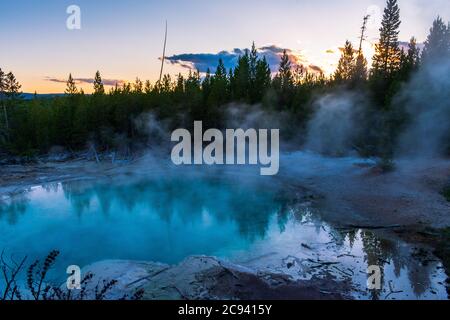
column 167, row 219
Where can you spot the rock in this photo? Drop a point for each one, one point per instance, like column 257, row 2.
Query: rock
column 130, row 276
column 203, row 277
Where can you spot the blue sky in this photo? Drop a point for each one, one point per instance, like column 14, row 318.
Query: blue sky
column 123, row 39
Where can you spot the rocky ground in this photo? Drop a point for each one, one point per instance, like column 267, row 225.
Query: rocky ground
column 207, row 278
column 357, row 193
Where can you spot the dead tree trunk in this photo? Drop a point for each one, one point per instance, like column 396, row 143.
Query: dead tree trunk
column 5, row 112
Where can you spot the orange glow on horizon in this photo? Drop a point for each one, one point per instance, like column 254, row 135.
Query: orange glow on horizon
column 327, row 61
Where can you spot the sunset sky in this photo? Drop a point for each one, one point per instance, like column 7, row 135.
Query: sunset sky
column 123, row 39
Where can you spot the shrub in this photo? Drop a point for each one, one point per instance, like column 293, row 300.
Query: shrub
column 37, row 287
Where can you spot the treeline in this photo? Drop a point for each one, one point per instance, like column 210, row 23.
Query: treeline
column 109, row 119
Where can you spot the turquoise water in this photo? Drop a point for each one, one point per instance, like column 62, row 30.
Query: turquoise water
column 167, row 218
column 162, row 220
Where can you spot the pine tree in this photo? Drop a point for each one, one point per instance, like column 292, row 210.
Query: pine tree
column 253, row 59
column 283, row 82
column 263, row 79
column 179, row 86
column 221, row 72
column 346, row 65
column 147, row 87
column 360, row 70
column 98, row 84
column 206, row 86
column 412, row 60
column 437, row 45
column 3, row 86
column 138, row 86
column 285, row 76
column 71, row 88
column 166, row 83
column 126, row 88
column 219, row 85
column 386, row 60
column 241, row 79
column 2, row 82
column 11, row 89
column 178, row 91
column 260, row 76
column 193, row 96
column 12, row 86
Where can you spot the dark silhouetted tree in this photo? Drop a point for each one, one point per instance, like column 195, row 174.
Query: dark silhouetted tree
column 359, row 75
column 437, row 45
column 147, row 87
column 360, row 71
column 410, row 60
column 138, row 86
column 386, row 60
column 283, row 82
column 284, row 75
column 99, row 88
column 262, row 80
column 3, row 88
column 219, row 84
column 12, row 86
column 241, row 80
column 71, row 88
column 345, row 69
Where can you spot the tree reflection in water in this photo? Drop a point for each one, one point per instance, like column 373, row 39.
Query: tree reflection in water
column 252, row 208
column 13, row 208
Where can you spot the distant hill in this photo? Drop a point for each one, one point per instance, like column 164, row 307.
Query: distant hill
column 29, row 96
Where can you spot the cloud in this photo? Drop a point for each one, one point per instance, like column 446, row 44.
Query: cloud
column 106, row 82
column 205, row 61
column 315, row 68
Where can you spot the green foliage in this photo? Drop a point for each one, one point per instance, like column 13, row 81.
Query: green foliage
column 346, row 65
column 12, row 86
column 98, row 84
column 359, row 74
column 9, row 96
column 241, row 79
column 71, row 86
column 108, row 121
column 283, row 83
column 386, row 60
column 437, row 44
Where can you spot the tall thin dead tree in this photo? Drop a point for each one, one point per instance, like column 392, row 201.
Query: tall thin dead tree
column 359, row 72
column 3, row 88
column 363, row 32
column 163, row 56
